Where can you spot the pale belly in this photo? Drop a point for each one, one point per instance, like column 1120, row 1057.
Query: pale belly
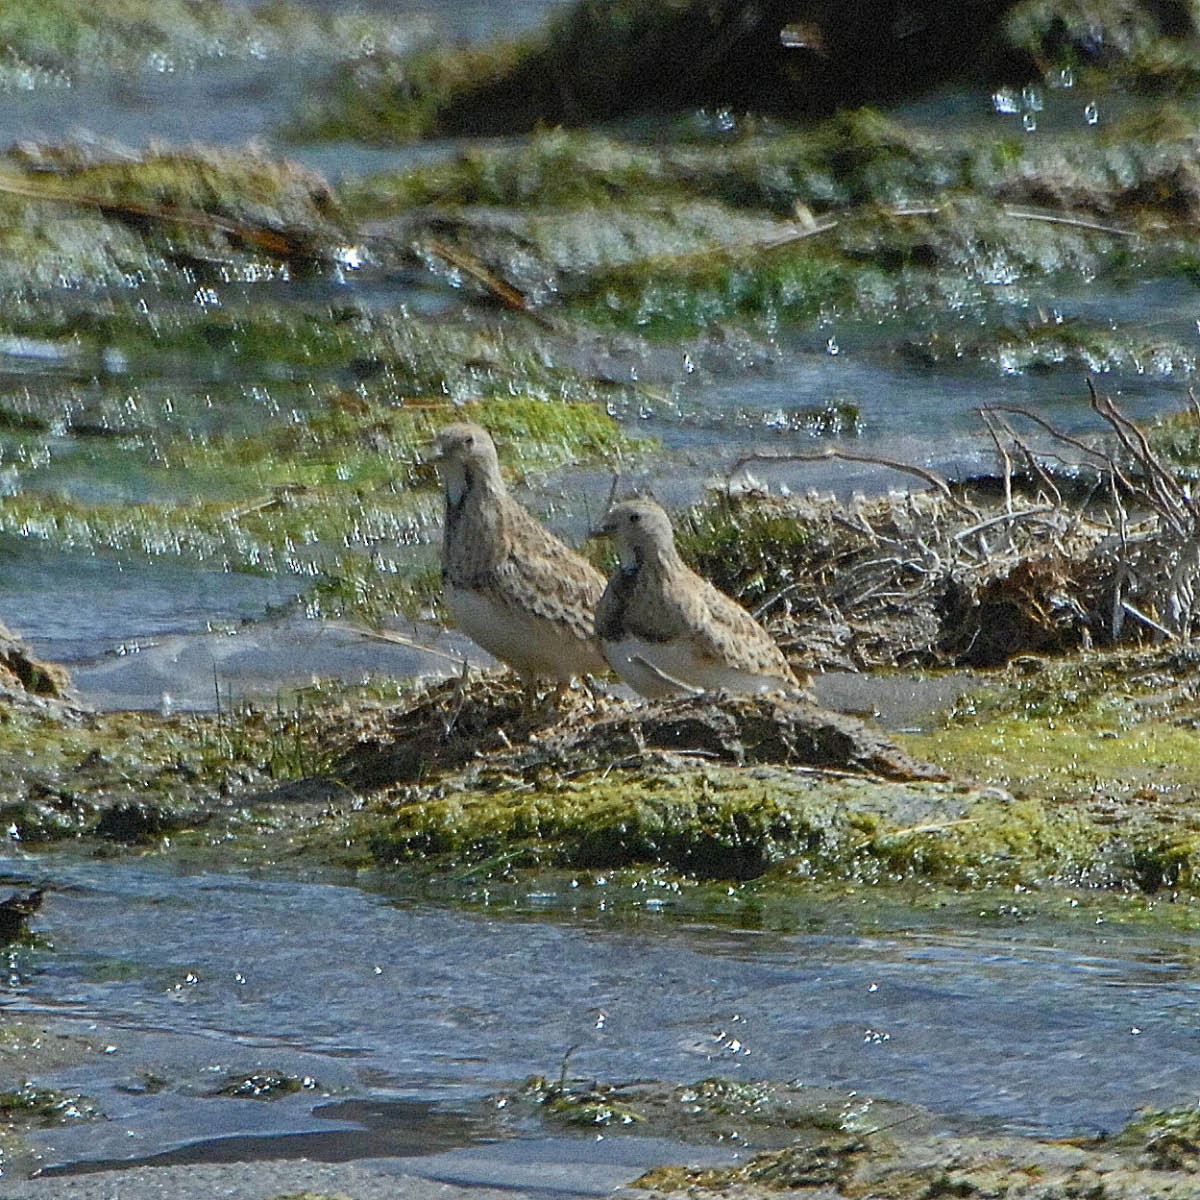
column 650, row 668
column 532, row 646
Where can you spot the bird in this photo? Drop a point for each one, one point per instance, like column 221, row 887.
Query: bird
column 665, row 630
column 514, row 588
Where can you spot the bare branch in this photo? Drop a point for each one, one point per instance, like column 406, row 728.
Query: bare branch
column 1032, row 214
column 1007, row 518
column 1168, row 497
column 930, row 477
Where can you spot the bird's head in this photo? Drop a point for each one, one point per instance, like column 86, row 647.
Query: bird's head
column 639, row 529
column 463, row 452
column 464, row 442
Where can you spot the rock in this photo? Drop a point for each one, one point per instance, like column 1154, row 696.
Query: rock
column 744, row 730
column 16, row 911
column 20, row 671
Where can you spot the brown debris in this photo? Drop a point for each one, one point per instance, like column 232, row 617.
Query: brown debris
column 451, row 725
column 745, row 730
column 1040, row 560
column 16, row 911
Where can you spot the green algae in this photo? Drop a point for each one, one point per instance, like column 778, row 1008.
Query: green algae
column 861, row 215
column 726, row 824
column 1090, row 810
column 758, row 846
column 714, row 1111
column 1110, row 43
column 162, row 215
column 133, row 779
column 1176, row 438
column 1168, row 1139
column 574, row 1107
column 263, row 1085
column 1106, row 746
column 700, row 825
column 1058, row 344
column 1095, row 722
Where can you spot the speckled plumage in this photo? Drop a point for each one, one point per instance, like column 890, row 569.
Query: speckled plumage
column 665, row 630
column 512, row 586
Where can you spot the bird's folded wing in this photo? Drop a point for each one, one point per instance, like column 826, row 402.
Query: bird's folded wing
column 547, row 578
column 734, row 637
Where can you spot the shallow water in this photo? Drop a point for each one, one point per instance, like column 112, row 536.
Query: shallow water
column 231, row 104
column 383, row 999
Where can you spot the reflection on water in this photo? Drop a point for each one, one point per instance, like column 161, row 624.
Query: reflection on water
column 191, row 978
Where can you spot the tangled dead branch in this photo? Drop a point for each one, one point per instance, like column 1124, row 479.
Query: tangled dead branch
column 1087, row 542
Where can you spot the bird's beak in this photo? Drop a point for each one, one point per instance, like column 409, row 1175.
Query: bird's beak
column 433, row 453
column 604, row 529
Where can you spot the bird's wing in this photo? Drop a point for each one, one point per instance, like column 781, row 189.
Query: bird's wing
column 544, row 576
column 731, row 635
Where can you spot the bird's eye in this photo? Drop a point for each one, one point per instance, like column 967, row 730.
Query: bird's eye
column 469, row 441
column 634, row 518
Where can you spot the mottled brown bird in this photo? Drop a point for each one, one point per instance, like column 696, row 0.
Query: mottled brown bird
column 511, row 585
column 668, row 632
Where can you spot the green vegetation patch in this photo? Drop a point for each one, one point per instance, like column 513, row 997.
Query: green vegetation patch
column 132, row 220
column 1168, row 1139
column 862, row 215
column 714, row 1111
column 55, row 40
column 1176, row 438
column 1149, row 46
column 45, row 1106
column 729, row 824
column 132, row 778
column 1057, row 344
column 264, row 1085
column 1106, row 742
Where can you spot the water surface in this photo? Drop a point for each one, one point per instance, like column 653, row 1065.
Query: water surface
column 188, row 978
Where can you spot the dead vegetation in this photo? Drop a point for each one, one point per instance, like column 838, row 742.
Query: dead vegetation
column 481, row 722
column 1072, row 544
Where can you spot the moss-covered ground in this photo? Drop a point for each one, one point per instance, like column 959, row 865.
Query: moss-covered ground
column 1075, row 779
column 809, row 1140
